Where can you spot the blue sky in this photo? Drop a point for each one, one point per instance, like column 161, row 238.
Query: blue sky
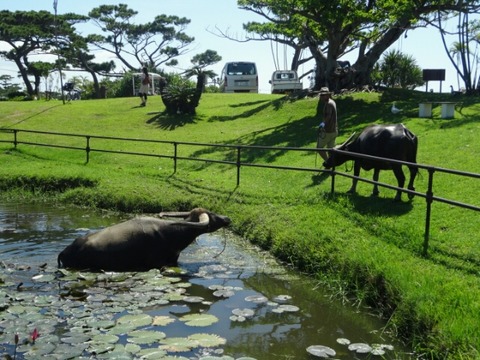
column 424, row 45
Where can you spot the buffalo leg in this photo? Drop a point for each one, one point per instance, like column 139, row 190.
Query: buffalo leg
column 413, row 174
column 397, row 170
column 356, row 172
column 376, row 175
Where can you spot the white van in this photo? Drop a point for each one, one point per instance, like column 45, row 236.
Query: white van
column 285, row 81
column 239, row 76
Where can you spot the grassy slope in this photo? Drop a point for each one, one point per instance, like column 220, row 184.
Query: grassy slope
column 371, row 247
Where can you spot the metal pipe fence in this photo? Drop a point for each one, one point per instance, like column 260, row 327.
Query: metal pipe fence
column 238, row 163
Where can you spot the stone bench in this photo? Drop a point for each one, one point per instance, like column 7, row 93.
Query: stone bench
column 448, row 109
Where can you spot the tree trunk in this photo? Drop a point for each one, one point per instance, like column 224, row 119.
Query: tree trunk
column 195, row 101
column 24, row 75
column 357, row 76
column 96, row 85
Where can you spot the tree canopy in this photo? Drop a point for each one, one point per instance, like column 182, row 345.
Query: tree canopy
column 31, row 33
column 154, row 44
column 330, row 29
column 463, row 53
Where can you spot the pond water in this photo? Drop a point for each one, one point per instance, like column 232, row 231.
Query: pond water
column 228, row 300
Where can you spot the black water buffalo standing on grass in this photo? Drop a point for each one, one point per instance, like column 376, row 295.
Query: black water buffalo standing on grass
column 388, row 141
column 141, row 243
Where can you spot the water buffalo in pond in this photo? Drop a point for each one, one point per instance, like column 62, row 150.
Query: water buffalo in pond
column 387, row 141
column 141, row 243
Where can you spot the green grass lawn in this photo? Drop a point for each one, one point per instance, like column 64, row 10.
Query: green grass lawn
column 366, row 249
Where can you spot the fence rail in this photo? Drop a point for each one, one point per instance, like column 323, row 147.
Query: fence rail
column 428, row 195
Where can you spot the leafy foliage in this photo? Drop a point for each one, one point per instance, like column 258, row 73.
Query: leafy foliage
column 28, row 33
column 331, row 29
column 398, row 70
column 160, row 41
column 178, row 95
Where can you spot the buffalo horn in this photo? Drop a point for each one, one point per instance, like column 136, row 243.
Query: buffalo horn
column 183, row 214
column 203, row 220
column 348, row 140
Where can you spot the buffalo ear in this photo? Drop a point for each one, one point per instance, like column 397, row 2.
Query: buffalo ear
column 204, row 218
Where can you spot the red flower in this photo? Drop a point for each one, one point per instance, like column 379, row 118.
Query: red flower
column 34, row 335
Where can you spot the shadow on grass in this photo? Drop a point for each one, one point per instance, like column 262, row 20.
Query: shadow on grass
column 32, row 116
column 461, row 262
column 262, row 105
column 376, row 206
column 169, row 122
column 353, row 116
column 203, row 190
column 370, row 214
column 319, row 178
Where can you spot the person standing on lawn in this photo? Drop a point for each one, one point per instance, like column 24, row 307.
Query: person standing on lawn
column 328, row 128
column 145, row 83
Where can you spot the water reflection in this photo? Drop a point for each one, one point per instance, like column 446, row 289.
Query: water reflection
column 31, row 236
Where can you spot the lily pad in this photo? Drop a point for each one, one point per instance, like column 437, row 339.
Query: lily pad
column 246, row 313
column 178, row 344
column 193, row 299
column 105, row 338
column 162, row 320
column 343, row 341
column 285, row 308
column 321, row 351
column 282, row 298
column 102, row 324
column 237, row 318
column 132, row 348
column 77, row 339
column 360, row 348
column 257, row 299
column 378, row 351
column 135, row 321
column 384, row 346
column 225, row 293
column 152, row 354
column 144, row 337
column 40, row 349
column 17, row 309
column 173, row 296
column 65, row 351
column 208, row 340
column 43, row 278
column 101, row 348
column 199, row 319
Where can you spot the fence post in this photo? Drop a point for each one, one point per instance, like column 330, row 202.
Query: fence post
column 15, row 142
column 239, row 163
column 87, row 148
column 175, row 146
column 429, row 199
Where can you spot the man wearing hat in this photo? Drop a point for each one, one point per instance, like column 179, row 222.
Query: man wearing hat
column 328, row 129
